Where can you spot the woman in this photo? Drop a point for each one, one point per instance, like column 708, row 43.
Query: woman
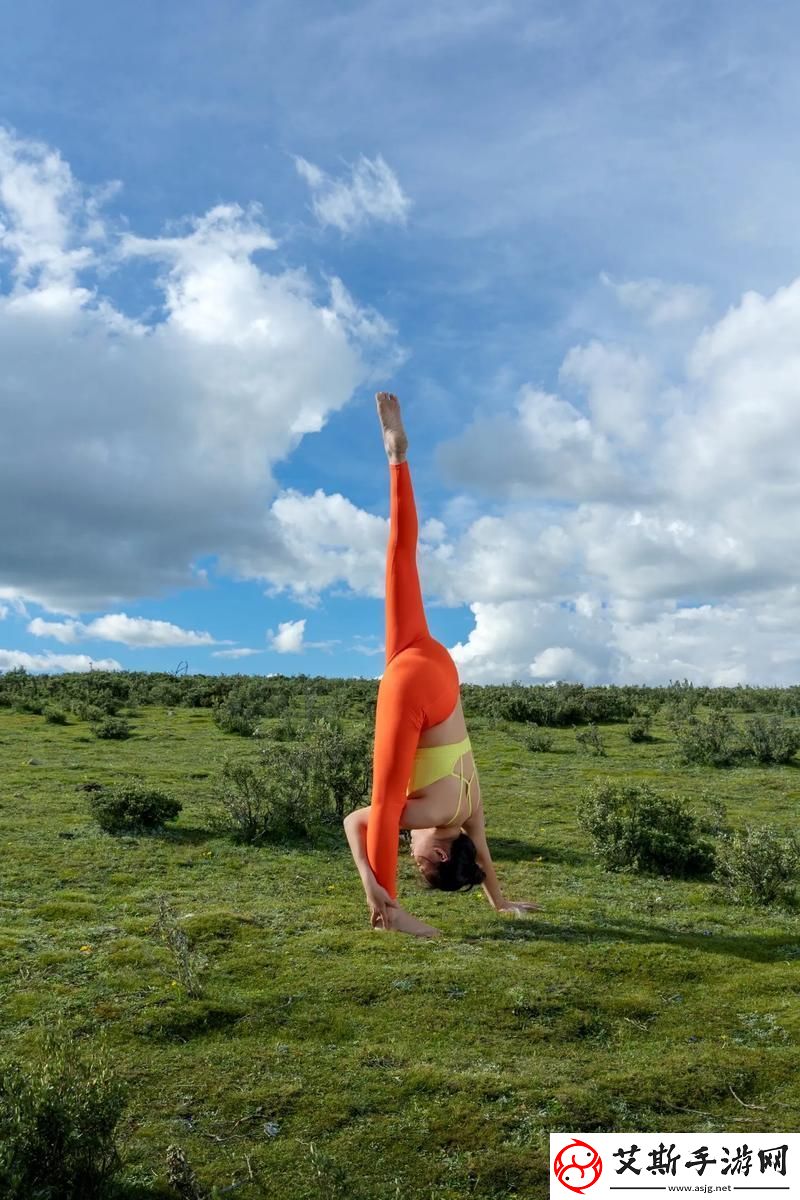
column 424, row 776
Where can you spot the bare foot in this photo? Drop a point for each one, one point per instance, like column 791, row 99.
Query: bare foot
column 394, row 435
column 403, row 922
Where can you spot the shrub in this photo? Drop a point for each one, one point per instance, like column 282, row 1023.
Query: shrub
column 238, row 713
column 53, row 715
column 770, row 739
column 87, row 712
column 715, row 819
column 632, row 827
column 286, row 730
column 590, row 740
column 132, row 807
column 290, row 790
column 639, row 727
column 58, row 1119
column 116, row 728
column 537, row 739
column 256, row 801
column 757, row 865
column 337, row 765
column 188, row 963
column 712, row 742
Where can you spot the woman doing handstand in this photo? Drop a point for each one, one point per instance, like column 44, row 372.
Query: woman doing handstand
column 424, row 777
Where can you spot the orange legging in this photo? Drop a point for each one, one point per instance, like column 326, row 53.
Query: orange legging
column 419, row 686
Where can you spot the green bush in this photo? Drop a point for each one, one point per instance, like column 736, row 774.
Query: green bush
column 770, row 739
column 337, row 766
column 239, row 712
column 713, row 741
column 53, row 715
column 188, row 963
column 292, row 789
column 116, row 728
column 537, row 739
column 757, row 865
column 85, row 711
column 286, row 730
column 639, row 727
column 590, row 739
column 714, row 820
column 634, row 828
column 259, row 801
column 58, row 1119
column 132, row 807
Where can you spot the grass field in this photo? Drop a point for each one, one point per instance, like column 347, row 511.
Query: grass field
column 333, row 1061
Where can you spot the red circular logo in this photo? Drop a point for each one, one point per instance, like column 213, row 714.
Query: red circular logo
column 577, row 1165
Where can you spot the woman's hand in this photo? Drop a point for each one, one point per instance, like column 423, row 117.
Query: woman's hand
column 380, row 904
column 517, row 907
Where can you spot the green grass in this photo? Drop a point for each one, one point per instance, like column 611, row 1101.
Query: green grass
column 341, row 1062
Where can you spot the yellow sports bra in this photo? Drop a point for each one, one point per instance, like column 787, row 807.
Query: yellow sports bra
column 432, row 763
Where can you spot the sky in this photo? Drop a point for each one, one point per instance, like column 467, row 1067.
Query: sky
column 565, row 234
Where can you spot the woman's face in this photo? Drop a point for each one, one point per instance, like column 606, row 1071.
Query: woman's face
column 428, row 849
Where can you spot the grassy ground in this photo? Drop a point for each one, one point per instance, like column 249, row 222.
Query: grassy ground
column 341, row 1062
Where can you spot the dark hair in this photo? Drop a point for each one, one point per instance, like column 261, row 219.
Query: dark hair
column 458, row 872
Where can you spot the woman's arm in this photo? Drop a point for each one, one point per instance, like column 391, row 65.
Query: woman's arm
column 475, row 828
column 379, row 900
column 385, row 912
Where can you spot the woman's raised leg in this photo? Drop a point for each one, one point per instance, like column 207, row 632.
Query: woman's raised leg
column 405, row 612
column 398, row 716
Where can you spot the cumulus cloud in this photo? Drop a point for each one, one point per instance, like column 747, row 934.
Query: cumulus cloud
column 311, row 541
column 13, row 659
column 644, row 514
column 118, row 627
column 289, row 638
column 160, row 436
column 371, row 193
column 546, row 447
column 601, row 563
column 619, row 388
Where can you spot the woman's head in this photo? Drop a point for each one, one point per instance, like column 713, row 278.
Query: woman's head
column 449, row 864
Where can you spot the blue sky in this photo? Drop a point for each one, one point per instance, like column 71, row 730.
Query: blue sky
column 565, row 235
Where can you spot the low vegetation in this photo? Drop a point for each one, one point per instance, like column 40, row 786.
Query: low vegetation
column 233, row 1026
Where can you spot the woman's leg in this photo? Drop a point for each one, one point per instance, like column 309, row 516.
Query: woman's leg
column 398, row 715
column 398, row 721
column 405, row 613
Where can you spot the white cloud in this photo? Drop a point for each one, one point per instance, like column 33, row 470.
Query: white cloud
column 619, row 387
column 660, row 303
column 559, row 662
column 372, row 193
column 546, row 448
column 118, row 627
column 11, row 659
column 313, row 541
column 679, row 560
column 289, row 638
column 160, row 437
column 61, row 631
column 48, row 220
column 240, row 652
column 533, row 641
